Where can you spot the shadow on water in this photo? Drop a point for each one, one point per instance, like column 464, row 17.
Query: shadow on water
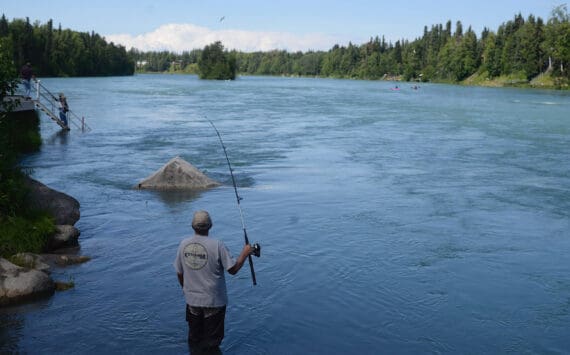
column 175, row 197
column 210, row 351
column 11, row 325
column 12, row 322
column 172, row 198
column 61, row 137
column 242, row 180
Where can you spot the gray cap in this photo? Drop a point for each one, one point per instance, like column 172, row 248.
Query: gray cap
column 201, row 220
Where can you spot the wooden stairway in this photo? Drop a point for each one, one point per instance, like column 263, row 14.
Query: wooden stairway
column 50, row 114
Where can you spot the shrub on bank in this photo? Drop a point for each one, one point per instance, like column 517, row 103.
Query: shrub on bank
column 25, row 233
column 21, row 132
column 21, row 228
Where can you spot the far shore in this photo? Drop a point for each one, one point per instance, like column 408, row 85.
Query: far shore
column 542, row 81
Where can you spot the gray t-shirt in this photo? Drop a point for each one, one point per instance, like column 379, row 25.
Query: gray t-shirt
column 203, row 262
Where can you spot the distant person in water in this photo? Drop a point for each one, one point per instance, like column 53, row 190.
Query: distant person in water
column 201, row 263
column 63, row 109
column 27, row 73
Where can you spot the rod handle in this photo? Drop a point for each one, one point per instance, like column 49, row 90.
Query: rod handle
column 252, row 271
column 249, row 259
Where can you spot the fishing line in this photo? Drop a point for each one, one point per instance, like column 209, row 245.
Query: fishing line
column 255, row 246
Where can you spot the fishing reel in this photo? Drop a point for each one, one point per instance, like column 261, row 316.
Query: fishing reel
column 256, row 249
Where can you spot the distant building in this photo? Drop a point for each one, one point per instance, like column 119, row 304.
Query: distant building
column 176, row 65
column 141, row 63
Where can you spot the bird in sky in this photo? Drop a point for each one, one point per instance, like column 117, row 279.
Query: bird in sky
column 222, row 18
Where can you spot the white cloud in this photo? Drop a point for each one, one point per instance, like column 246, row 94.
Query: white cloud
column 185, row 37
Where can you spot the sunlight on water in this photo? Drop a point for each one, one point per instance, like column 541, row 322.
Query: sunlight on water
column 412, row 221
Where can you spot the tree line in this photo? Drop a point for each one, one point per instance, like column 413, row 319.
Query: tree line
column 520, row 49
column 62, row 52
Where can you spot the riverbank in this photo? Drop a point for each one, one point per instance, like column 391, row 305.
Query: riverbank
column 542, row 81
column 35, row 218
column 25, row 275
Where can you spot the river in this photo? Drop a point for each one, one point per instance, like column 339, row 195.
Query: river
column 434, row 220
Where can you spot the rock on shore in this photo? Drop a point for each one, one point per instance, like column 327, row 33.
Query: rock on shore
column 20, row 284
column 64, row 208
column 66, row 236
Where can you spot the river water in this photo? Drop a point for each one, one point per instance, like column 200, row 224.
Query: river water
column 398, row 222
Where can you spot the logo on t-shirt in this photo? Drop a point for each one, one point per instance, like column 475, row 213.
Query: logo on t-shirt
column 195, row 256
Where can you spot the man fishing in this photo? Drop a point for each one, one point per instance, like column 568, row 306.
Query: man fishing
column 200, row 264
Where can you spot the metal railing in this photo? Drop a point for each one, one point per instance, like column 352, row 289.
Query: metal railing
column 49, row 103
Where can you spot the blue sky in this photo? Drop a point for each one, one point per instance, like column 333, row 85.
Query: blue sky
column 263, row 24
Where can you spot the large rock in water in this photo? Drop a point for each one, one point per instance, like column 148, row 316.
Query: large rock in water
column 18, row 284
column 64, row 208
column 177, row 174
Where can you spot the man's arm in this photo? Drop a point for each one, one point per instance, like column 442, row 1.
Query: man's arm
column 245, row 252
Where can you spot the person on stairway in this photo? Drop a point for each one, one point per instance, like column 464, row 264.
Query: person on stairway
column 63, row 109
column 27, row 74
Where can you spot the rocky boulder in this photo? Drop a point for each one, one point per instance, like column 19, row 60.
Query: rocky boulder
column 31, row 261
column 18, row 284
column 177, row 174
column 61, row 260
column 64, row 208
column 65, row 236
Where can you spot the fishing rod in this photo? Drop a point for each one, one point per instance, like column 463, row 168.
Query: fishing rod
column 256, row 247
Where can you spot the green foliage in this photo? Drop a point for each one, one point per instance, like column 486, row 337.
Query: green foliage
column 217, row 64
column 19, row 133
column 22, row 261
column 191, row 69
column 57, row 52
column 20, row 228
column 12, row 190
column 8, row 75
column 557, row 42
column 25, row 234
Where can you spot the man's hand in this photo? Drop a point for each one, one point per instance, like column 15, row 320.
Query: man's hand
column 245, row 252
column 247, row 249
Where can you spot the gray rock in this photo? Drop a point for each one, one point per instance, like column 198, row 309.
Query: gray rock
column 64, row 208
column 19, row 284
column 61, row 260
column 64, row 237
column 177, row 174
column 31, row 261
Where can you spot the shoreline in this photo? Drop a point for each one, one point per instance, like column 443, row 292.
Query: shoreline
column 27, row 276
column 541, row 82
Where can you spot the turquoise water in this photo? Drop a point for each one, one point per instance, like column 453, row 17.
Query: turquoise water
column 428, row 221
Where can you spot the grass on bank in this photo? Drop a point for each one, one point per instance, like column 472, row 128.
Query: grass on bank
column 25, row 234
column 542, row 81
